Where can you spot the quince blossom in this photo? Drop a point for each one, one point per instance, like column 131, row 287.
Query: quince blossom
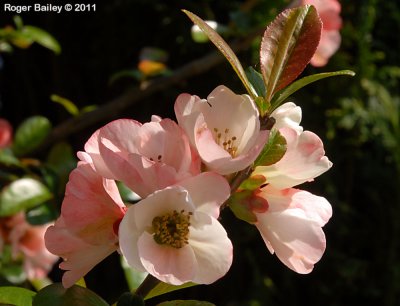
column 291, row 226
column 174, row 233
column 27, row 244
column 86, row 231
column 224, row 129
column 146, row 157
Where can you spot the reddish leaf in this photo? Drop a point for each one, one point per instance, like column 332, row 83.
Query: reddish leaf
column 288, row 45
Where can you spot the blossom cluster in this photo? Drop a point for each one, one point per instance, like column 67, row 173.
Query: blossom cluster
column 183, row 172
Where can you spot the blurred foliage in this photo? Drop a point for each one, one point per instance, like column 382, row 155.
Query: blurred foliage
column 357, row 118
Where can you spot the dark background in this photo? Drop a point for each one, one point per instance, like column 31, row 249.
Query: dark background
column 361, row 265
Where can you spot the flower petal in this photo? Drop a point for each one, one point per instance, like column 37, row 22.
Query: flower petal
column 297, row 241
column 208, row 192
column 314, row 207
column 212, row 248
column 79, row 257
column 170, row 265
column 287, row 115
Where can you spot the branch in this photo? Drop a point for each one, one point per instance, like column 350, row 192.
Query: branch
column 113, row 108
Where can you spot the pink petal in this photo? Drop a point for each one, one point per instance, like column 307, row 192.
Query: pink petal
column 212, row 249
column 170, row 265
column 208, row 192
column 303, row 161
column 91, row 205
column 314, row 207
column 297, row 241
column 79, row 257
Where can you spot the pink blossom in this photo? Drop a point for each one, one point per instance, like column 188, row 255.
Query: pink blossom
column 6, row 132
column 329, row 11
column 292, row 226
column 304, row 160
column 85, row 233
column 174, row 233
column 27, row 244
column 146, row 157
column 225, row 128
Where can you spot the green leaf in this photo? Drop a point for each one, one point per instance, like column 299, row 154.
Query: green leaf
column 134, row 74
column 16, row 296
column 288, row 45
column 282, row 95
column 256, row 80
column 252, row 183
column 162, row 288
column 273, row 151
column 61, row 160
column 30, row 134
column 41, row 214
column 7, row 158
column 22, row 194
column 220, row 43
column 68, row 105
column 57, row 295
column 133, row 277
column 186, row 303
column 43, row 38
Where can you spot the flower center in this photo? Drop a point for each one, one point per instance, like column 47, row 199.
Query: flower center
column 172, row 229
column 225, row 141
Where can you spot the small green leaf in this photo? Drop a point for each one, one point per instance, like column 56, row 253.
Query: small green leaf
column 252, row 183
column 220, row 43
column 186, row 303
column 256, row 79
column 133, row 277
column 288, row 45
column 30, row 134
column 7, row 158
column 16, row 296
column 22, row 194
column 282, row 95
column 133, row 74
column 273, row 151
column 162, row 288
column 68, row 105
column 18, row 22
column 43, row 38
column 57, row 295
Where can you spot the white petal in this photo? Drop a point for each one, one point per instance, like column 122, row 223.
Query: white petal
column 212, row 248
column 297, row 241
column 287, row 115
column 168, row 264
column 314, row 207
column 208, row 192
